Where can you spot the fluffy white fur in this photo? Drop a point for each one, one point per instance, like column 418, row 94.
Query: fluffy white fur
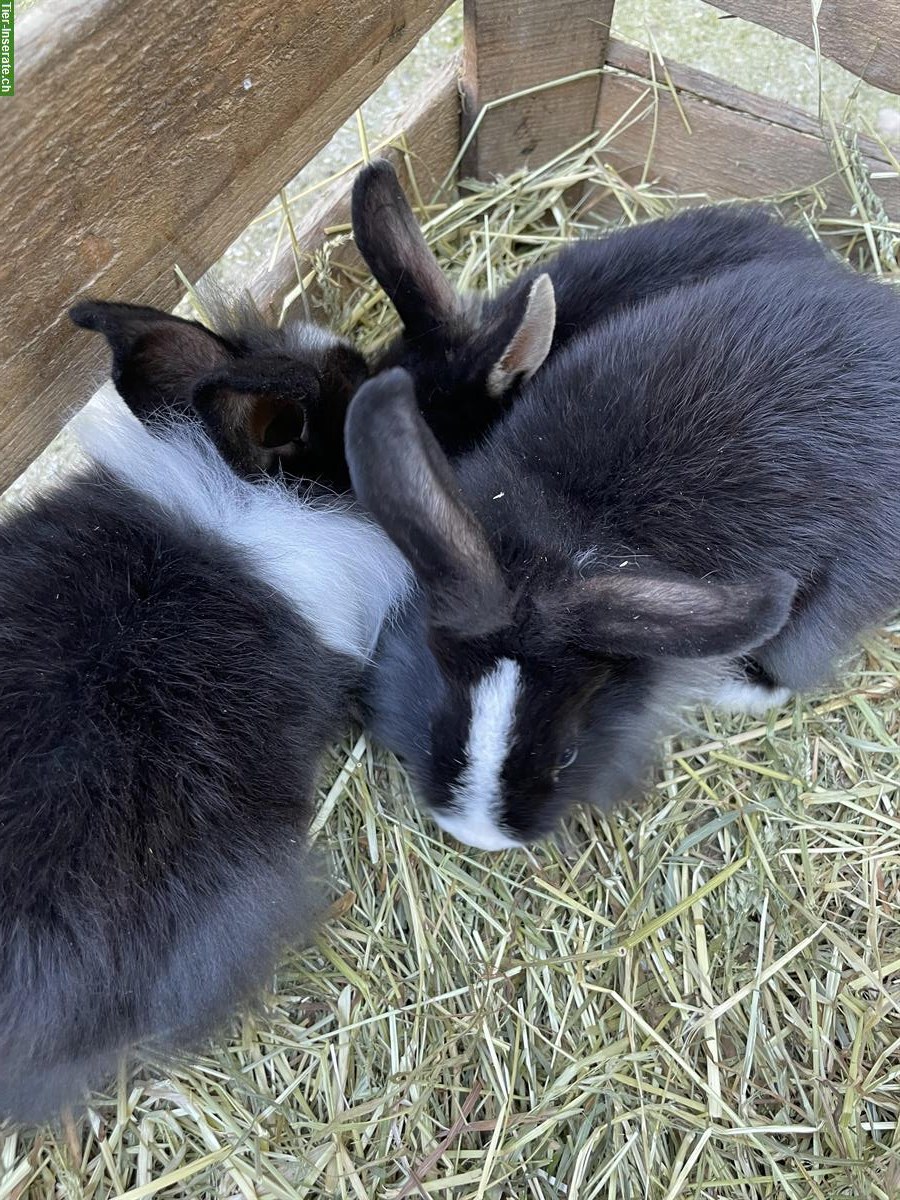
column 739, row 695
column 329, row 560
column 719, row 683
column 474, row 819
column 305, row 336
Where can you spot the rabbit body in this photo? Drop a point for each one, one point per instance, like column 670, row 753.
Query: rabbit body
column 471, row 354
column 747, row 425
column 698, row 499
column 177, row 648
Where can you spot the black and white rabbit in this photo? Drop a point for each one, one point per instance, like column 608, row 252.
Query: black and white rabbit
column 178, row 646
column 469, row 354
column 700, row 498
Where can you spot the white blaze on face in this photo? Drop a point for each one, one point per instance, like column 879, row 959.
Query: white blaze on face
column 475, row 816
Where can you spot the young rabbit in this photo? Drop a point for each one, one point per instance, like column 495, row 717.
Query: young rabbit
column 177, row 648
column 272, row 400
column 699, row 498
column 469, row 355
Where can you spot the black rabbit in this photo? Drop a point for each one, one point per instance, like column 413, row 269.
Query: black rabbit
column 699, row 498
column 178, row 646
column 469, row 355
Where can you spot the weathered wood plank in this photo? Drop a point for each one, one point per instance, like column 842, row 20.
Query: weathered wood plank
column 737, row 145
column 147, row 134
column 431, row 132
column 510, row 46
column 863, row 36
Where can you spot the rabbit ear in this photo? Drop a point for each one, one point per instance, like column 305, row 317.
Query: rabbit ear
column 159, row 360
column 530, row 343
column 403, row 478
column 390, row 240
column 646, row 616
column 249, row 424
column 258, row 407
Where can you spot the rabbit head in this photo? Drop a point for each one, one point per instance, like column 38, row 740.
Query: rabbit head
column 519, row 679
column 273, row 400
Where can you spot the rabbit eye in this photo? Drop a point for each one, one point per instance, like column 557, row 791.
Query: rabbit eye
column 567, row 757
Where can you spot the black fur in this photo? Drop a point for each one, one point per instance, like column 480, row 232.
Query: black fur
column 740, row 431
column 160, row 732
column 450, row 345
column 273, row 400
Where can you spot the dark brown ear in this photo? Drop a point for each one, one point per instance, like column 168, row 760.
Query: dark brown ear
column 390, row 240
column 252, row 429
column 645, row 616
column 159, row 360
column 403, row 478
column 263, row 409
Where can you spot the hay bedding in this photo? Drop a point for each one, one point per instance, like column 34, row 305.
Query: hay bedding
column 697, row 998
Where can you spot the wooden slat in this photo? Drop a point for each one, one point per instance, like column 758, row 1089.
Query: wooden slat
column 431, row 134
column 513, row 45
column 861, row 35
column 737, row 144
column 147, row 134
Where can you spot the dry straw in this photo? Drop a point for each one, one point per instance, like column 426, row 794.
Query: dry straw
column 697, row 998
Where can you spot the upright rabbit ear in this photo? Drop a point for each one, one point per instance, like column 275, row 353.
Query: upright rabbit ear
column 159, row 360
column 402, row 477
column 391, row 242
column 530, row 341
column 646, row 616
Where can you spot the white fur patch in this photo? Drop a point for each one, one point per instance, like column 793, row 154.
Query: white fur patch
column 740, row 695
column 304, row 337
column 477, row 794
column 332, row 563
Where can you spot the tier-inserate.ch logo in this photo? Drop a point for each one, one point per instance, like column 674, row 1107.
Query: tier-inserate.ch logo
column 7, row 48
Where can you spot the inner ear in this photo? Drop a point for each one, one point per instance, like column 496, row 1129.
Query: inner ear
column 530, row 343
column 634, row 614
column 275, row 423
column 246, row 421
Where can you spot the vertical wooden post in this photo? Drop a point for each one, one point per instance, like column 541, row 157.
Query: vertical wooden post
column 512, row 45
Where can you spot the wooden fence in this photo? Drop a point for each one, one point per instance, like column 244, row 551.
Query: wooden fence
column 149, row 132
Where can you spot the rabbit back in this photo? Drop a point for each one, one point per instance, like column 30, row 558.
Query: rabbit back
column 170, row 676
column 596, row 278
column 746, row 424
